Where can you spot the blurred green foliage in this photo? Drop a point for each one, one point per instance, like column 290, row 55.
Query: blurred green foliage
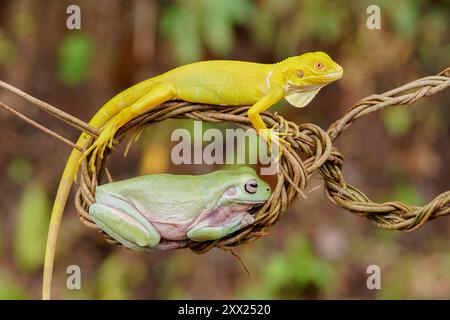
column 19, row 170
column 116, row 278
column 412, row 273
column 73, row 61
column 397, row 121
column 7, row 50
column 405, row 192
column 190, row 24
column 286, row 27
column 294, row 272
column 31, row 227
column 405, row 17
column 22, row 23
column 10, row 289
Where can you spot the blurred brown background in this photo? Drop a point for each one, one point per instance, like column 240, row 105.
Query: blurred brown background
column 316, row 250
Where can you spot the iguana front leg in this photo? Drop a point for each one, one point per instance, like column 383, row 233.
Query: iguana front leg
column 254, row 115
column 161, row 93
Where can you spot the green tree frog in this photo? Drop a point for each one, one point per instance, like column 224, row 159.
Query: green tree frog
column 163, row 211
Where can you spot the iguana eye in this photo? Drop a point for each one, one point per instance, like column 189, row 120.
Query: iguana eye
column 300, row 73
column 318, row 65
column 251, row 186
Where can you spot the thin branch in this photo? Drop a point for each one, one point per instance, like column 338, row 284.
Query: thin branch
column 67, row 118
column 40, row 127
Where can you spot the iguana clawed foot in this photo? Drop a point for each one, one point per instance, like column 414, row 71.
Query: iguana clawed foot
column 104, row 140
column 275, row 137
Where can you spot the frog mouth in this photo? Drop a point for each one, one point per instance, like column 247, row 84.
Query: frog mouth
column 251, row 207
column 256, row 202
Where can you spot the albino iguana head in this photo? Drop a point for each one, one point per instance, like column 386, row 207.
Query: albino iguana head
column 303, row 76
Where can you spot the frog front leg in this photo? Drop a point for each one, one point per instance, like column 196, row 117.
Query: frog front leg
column 124, row 223
column 213, row 229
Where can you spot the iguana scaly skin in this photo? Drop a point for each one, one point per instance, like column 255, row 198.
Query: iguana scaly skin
column 219, row 82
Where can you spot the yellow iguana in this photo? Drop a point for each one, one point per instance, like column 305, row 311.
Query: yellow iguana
column 219, row 82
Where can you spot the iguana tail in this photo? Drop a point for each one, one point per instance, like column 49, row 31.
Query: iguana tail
column 108, row 111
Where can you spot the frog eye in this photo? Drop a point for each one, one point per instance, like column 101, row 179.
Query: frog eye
column 318, row 65
column 251, row 186
column 299, row 73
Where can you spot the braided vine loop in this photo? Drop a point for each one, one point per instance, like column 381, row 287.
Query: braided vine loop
column 391, row 215
column 310, row 148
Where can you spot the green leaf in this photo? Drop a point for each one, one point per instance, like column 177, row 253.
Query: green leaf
column 73, row 63
column 31, row 228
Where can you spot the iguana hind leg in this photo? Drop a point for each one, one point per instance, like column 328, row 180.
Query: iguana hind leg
column 156, row 96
